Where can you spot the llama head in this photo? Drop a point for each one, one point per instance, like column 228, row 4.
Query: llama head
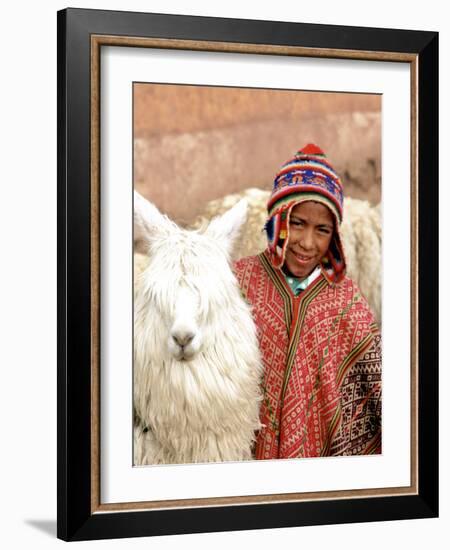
column 188, row 281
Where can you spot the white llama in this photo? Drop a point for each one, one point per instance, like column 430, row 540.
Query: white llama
column 197, row 367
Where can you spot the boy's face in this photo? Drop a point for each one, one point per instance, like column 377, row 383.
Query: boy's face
column 310, row 231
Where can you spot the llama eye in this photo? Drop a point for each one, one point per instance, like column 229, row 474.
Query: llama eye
column 202, row 308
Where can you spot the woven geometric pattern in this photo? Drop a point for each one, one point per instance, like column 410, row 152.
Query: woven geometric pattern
column 322, row 365
column 360, row 426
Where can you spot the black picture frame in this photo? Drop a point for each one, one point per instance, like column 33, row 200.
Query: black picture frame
column 79, row 516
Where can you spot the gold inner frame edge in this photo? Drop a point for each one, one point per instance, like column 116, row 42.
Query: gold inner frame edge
column 97, row 41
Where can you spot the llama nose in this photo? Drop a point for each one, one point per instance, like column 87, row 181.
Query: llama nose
column 182, row 338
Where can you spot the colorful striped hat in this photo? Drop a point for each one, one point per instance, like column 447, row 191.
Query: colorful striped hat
column 307, row 177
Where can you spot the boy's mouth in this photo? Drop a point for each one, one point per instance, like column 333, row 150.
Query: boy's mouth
column 302, row 259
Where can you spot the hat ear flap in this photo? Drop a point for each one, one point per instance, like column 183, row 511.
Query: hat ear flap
column 334, row 264
column 276, row 230
column 270, row 230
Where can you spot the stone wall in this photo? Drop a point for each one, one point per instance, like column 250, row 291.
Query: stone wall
column 193, row 144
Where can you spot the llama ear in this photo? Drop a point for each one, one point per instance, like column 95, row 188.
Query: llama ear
column 148, row 220
column 227, row 227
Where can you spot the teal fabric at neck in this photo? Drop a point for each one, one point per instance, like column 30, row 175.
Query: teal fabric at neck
column 297, row 285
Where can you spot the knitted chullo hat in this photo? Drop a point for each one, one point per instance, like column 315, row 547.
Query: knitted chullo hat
column 306, row 177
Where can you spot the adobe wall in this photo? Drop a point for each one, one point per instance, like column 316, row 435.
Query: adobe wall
column 193, row 143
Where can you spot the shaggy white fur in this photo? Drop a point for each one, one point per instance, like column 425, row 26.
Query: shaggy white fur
column 361, row 235
column 360, row 230
column 197, row 366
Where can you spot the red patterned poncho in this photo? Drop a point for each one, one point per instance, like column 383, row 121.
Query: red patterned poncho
column 322, row 365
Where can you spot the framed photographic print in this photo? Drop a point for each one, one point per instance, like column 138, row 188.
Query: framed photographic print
column 165, row 123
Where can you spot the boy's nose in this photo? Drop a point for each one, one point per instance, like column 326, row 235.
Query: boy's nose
column 306, row 241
